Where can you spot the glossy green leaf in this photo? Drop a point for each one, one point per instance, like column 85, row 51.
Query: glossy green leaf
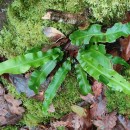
column 97, row 54
column 103, row 74
column 118, row 60
column 55, row 84
column 21, row 64
column 84, row 85
column 39, row 76
column 94, row 34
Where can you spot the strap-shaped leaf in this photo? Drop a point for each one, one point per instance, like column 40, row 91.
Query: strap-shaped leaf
column 118, row 60
column 55, row 84
column 106, row 75
column 95, row 53
column 84, row 85
column 39, row 76
column 93, row 34
column 21, row 64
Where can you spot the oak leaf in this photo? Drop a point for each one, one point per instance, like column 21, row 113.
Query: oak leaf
column 98, row 109
column 88, row 98
column 125, row 122
column 97, row 88
column 13, row 105
column 107, row 122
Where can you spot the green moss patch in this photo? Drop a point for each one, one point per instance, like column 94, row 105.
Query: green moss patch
column 24, row 28
column 67, row 96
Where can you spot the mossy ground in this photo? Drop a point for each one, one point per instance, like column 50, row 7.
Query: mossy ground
column 23, row 32
column 24, row 28
column 118, row 101
column 65, row 98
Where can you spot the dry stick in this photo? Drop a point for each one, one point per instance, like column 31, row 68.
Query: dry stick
column 80, row 20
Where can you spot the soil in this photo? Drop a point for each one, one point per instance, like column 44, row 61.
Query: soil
column 3, row 6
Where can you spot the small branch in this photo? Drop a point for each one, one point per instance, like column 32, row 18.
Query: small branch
column 66, row 17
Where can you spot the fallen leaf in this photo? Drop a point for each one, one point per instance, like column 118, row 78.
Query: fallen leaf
column 3, row 120
column 21, row 84
column 97, row 88
column 52, row 32
column 125, row 48
column 77, row 122
column 125, row 122
column 99, row 109
column 107, row 122
column 8, row 112
column 79, row 110
column 60, row 123
column 14, row 105
column 83, row 120
column 89, row 98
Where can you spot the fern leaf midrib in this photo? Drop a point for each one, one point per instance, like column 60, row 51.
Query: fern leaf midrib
column 27, row 63
column 104, row 74
column 103, row 34
column 42, row 73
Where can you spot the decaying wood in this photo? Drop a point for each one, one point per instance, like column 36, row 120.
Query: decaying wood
column 66, row 17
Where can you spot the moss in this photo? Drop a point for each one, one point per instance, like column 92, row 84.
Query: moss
column 67, row 96
column 107, row 11
column 118, row 101
column 9, row 128
column 24, row 28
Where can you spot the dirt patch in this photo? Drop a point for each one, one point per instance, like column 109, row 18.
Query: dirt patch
column 3, row 6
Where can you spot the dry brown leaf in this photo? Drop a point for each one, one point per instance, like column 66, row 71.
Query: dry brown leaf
column 98, row 109
column 6, row 107
column 21, row 84
column 60, row 123
column 97, row 88
column 89, row 98
column 3, row 120
column 125, row 48
column 107, row 122
column 77, row 122
column 39, row 96
column 52, row 32
column 3, row 112
column 14, row 105
column 125, row 122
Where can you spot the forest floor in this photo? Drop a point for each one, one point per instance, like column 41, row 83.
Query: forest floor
column 100, row 110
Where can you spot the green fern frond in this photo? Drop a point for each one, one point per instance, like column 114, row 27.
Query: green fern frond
column 39, row 76
column 102, row 73
column 94, row 34
column 55, row 84
column 21, row 64
column 84, row 85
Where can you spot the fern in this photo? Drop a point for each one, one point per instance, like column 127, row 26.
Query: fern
column 39, row 76
column 94, row 35
column 103, row 74
column 22, row 63
column 84, row 85
column 55, row 84
column 92, row 59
